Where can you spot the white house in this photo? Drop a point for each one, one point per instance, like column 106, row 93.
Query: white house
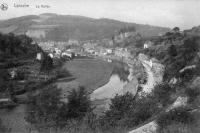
column 147, row 44
column 57, row 51
column 66, row 54
column 39, row 56
column 13, row 73
column 109, row 51
column 50, row 55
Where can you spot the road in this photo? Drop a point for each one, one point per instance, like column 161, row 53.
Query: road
column 154, row 73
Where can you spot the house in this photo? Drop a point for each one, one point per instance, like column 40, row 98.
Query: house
column 73, row 42
column 57, row 51
column 51, row 55
column 109, row 51
column 148, row 44
column 66, row 54
column 13, row 73
column 122, row 52
column 39, row 56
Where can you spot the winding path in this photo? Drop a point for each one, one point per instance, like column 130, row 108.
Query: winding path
column 154, row 73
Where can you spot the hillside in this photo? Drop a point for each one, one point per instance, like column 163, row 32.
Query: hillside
column 14, row 47
column 63, row 27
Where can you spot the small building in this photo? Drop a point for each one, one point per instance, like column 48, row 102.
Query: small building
column 51, row 55
column 109, row 51
column 39, row 56
column 148, row 44
column 57, row 51
column 66, row 54
column 13, row 73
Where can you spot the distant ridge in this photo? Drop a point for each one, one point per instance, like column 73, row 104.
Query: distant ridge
column 56, row 27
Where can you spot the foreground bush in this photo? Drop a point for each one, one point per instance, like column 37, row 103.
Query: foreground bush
column 178, row 128
column 125, row 111
column 78, row 104
column 192, row 93
column 46, row 110
column 178, row 115
column 162, row 93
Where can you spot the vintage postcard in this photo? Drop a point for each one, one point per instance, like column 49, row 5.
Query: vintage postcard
column 99, row 66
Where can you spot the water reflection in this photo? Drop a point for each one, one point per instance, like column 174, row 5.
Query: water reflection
column 120, row 77
column 121, row 70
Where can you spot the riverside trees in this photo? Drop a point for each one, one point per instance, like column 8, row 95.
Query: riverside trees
column 46, row 110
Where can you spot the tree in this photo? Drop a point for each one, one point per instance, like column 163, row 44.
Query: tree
column 176, row 29
column 17, row 46
column 190, row 48
column 43, row 109
column 162, row 93
column 172, row 51
column 78, row 103
column 47, row 64
column 4, row 80
column 126, row 111
column 178, row 115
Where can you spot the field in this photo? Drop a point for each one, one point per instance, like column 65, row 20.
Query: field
column 90, row 73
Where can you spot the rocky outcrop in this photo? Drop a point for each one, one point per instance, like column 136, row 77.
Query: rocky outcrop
column 147, row 128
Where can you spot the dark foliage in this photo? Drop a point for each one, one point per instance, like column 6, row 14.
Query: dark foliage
column 47, row 64
column 172, row 51
column 178, row 115
column 187, row 75
column 125, row 111
column 4, row 79
column 185, row 55
column 12, row 46
column 46, row 110
column 162, row 93
column 120, row 70
column 78, row 104
column 127, row 29
column 44, row 107
column 192, row 93
column 63, row 73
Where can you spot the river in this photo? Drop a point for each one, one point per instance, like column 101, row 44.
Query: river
column 120, row 82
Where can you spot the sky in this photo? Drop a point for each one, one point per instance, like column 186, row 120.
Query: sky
column 166, row 13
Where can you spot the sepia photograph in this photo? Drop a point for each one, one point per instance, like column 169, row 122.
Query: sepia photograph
column 99, row 66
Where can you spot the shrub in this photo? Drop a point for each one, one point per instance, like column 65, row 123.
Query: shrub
column 187, row 75
column 62, row 73
column 43, row 109
column 126, row 111
column 192, row 93
column 78, row 104
column 47, row 64
column 178, row 115
column 162, row 93
column 20, row 75
column 177, row 128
